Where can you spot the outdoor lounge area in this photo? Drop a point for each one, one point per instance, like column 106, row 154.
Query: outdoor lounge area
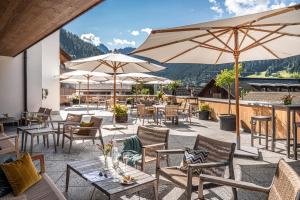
column 188, row 110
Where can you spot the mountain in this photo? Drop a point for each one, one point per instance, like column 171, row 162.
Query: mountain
column 76, row 47
column 194, row 74
column 103, row 48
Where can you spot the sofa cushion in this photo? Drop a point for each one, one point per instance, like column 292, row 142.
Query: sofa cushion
column 193, row 156
column 21, row 174
column 85, row 124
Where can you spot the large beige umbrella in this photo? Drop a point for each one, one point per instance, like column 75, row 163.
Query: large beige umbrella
column 114, row 63
column 85, row 76
column 273, row 34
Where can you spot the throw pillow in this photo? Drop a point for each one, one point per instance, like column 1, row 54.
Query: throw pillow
column 85, row 124
column 21, row 174
column 4, row 184
column 193, row 156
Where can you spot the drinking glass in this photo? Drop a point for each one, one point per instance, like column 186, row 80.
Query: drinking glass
column 125, row 160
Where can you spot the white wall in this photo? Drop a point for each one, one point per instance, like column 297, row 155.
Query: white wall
column 11, row 85
column 51, row 70
column 42, row 67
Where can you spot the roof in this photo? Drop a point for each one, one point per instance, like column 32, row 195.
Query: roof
column 24, row 23
column 64, row 56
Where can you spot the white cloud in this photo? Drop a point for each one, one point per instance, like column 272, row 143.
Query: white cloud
column 216, row 7
column 122, row 42
column 243, row 7
column 146, row 30
column 91, row 38
column 135, row 33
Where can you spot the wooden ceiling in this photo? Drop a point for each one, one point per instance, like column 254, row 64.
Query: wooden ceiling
column 25, row 22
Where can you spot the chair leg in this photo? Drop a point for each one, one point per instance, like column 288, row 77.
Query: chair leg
column 93, row 141
column 71, row 141
column 63, row 142
column 200, row 190
column 168, row 161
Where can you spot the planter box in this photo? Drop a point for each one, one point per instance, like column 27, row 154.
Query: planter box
column 121, row 119
column 227, row 122
column 75, row 101
column 204, row 115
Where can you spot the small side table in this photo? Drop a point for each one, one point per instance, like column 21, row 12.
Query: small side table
column 22, row 129
column 258, row 135
column 39, row 132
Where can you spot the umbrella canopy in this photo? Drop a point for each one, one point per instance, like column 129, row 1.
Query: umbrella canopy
column 113, row 63
column 162, row 82
column 77, row 81
column 268, row 35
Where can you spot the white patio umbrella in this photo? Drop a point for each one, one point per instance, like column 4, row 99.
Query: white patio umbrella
column 273, row 34
column 85, row 75
column 79, row 82
column 113, row 63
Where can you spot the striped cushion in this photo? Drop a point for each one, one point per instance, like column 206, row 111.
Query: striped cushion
column 193, row 156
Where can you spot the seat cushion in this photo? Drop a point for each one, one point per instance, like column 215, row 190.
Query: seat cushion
column 179, row 177
column 85, row 124
column 193, row 156
column 21, row 174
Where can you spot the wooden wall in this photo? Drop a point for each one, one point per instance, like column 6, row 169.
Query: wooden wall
column 247, row 111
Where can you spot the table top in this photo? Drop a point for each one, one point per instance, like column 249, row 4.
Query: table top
column 40, row 130
column 22, row 128
column 111, row 185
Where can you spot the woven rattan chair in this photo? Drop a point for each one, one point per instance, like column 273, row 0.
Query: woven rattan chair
column 220, row 157
column 170, row 112
column 143, row 111
column 151, row 139
column 94, row 132
column 285, row 184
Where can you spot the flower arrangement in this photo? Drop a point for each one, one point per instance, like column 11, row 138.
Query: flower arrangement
column 287, row 99
column 120, row 110
column 105, row 149
column 204, row 107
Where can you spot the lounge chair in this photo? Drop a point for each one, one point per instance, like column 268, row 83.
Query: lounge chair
column 220, row 156
column 7, row 146
column 285, row 184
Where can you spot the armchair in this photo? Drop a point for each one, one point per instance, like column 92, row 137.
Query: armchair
column 94, row 132
column 285, row 184
column 151, row 139
column 219, row 157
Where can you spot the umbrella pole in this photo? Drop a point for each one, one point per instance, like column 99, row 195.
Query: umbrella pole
column 79, row 85
column 121, row 88
column 115, row 82
column 237, row 103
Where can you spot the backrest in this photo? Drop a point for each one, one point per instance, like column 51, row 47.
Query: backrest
column 171, row 110
column 149, row 136
column 73, row 118
column 182, row 106
column 97, row 123
column 41, row 110
column 140, row 109
column 286, row 183
column 47, row 114
column 1, row 128
column 218, row 151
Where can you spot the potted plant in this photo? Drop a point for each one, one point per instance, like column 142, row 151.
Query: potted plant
column 204, row 111
column 75, row 99
column 226, row 79
column 121, row 113
column 287, row 99
column 173, row 86
column 160, row 96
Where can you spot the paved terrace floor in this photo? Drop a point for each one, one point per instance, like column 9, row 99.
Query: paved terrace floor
column 183, row 135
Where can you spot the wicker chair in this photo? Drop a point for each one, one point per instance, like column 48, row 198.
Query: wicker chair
column 94, row 132
column 151, row 139
column 143, row 111
column 219, row 157
column 171, row 112
column 285, row 184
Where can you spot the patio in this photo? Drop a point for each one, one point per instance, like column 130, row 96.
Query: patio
column 183, row 135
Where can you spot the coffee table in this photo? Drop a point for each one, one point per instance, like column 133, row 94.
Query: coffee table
column 22, row 129
column 39, row 132
column 111, row 186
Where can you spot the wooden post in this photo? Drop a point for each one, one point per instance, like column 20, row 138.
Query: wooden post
column 88, row 92
column 79, row 86
column 115, row 94
column 236, row 55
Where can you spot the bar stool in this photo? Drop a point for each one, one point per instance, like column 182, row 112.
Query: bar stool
column 295, row 143
column 258, row 134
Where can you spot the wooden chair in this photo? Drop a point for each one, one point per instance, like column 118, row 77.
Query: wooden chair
column 7, row 146
column 143, row 111
column 184, row 110
column 71, row 119
column 151, row 139
column 171, row 112
column 219, row 157
column 285, row 184
column 32, row 117
column 94, row 132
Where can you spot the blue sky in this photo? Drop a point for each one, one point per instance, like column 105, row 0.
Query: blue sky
column 122, row 23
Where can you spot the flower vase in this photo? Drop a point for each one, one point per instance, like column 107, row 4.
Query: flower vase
column 105, row 162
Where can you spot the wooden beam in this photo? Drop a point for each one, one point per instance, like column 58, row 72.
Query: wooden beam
column 24, row 23
column 181, row 53
column 220, row 40
column 221, row 53
column 262, row 38
column 208, row 46
column 190, row 29
column 266, row 48
column 279, row 32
